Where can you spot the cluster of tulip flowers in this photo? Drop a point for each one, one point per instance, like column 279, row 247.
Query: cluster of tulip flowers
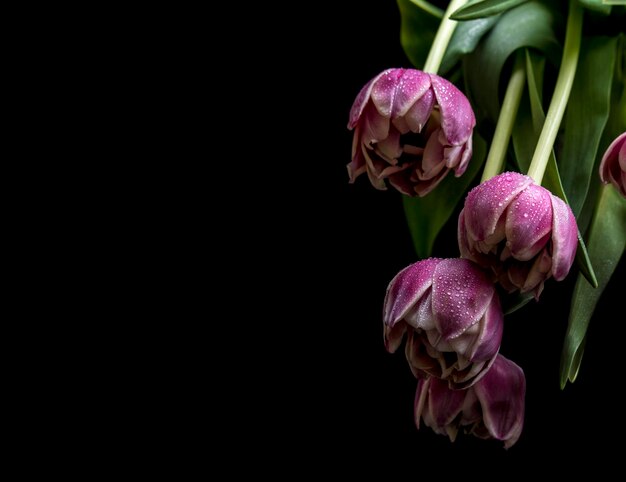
column 411, row 128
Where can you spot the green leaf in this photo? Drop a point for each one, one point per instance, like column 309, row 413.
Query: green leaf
column 615, row 125
column 530, row 116
column 528, row 25
column 578, row 357
column 486, row 8
column 418, row 26
column 464, row 40
column 525, row 136
column 427, row 215
column 515, row 301
column 596, row 5
column 607, row 241
column 586, row 116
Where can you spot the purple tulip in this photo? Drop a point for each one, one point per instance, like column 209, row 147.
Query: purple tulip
column 451, row 314
column 493, row 408
column 520, row 230
column 411, row 128
column 613, row 164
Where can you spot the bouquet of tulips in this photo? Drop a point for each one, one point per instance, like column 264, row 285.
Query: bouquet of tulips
column 525, row 101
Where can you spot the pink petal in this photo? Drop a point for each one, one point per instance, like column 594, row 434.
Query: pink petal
column 612, row 153
column 457, row 116
column 401, row 181
column 452, row 156
column 529, row 222
column 501, row 393
column 393, row 336
column 485, row 204
column 389, row 148
column 375, row 126
column 538, row 273
column 445, row 404
column 465, row 158
column 432, row 162
column 488, row 342
column 412, row 85
column 417, row 116
column 361, row 100
column 357, row 166
column 564, row 238
column 384, row 91
column 421, row 396
column 461, row 293
column 464, row 247
column 406, row 288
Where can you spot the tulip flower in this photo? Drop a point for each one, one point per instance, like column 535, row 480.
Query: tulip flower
column 451, row 314
column 519, row 230
column 411, row 128
column 613, row 164
column 493, row 408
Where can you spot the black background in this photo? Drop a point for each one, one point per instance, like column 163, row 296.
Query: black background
column 345, row 403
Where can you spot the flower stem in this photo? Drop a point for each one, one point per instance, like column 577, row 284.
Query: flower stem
column 561, row 93
column 506, row 119
column 442, row 38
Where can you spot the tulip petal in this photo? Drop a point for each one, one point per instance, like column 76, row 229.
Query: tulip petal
column 488, row 341
column 465, row 158
column 384, row 91
column 421, row 396
column 389, row 148
column 613, row 164
column 422, row 363
column 412, row 85
column 417, row 116
column 564, row 238
column 461, row 293
column 432, row 162
column 375, row 126
column 539, row 272
column 393, row 336
column 457, row 117
column 486, row 203
column 406, row 288
column 501, row 394
column 445, row 404
column 529, row 222
column 361, row 100
column 401, row 181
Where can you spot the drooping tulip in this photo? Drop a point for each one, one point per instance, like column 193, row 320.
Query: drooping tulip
column 519, row 230
column 411, row 128
column 451, row 314
column 613, row 164
column 492, row 408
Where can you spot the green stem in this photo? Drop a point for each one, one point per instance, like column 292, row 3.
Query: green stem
column 442, row 38
column 506, row 119
column 561, row 92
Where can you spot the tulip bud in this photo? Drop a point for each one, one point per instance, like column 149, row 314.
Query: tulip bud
column 492, row 408
column 613, row 164
column 451, row 314
column 411, row 128
column 519, row 230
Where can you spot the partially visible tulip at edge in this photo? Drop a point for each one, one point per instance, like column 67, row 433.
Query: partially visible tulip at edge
column 613, row 164
column 451, row 315
column 493, row 408
column 411, row 128
column 519, row 230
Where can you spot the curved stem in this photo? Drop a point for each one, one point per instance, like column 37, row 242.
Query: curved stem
column 442, row 38
column 506, row 119
column 561, row 93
